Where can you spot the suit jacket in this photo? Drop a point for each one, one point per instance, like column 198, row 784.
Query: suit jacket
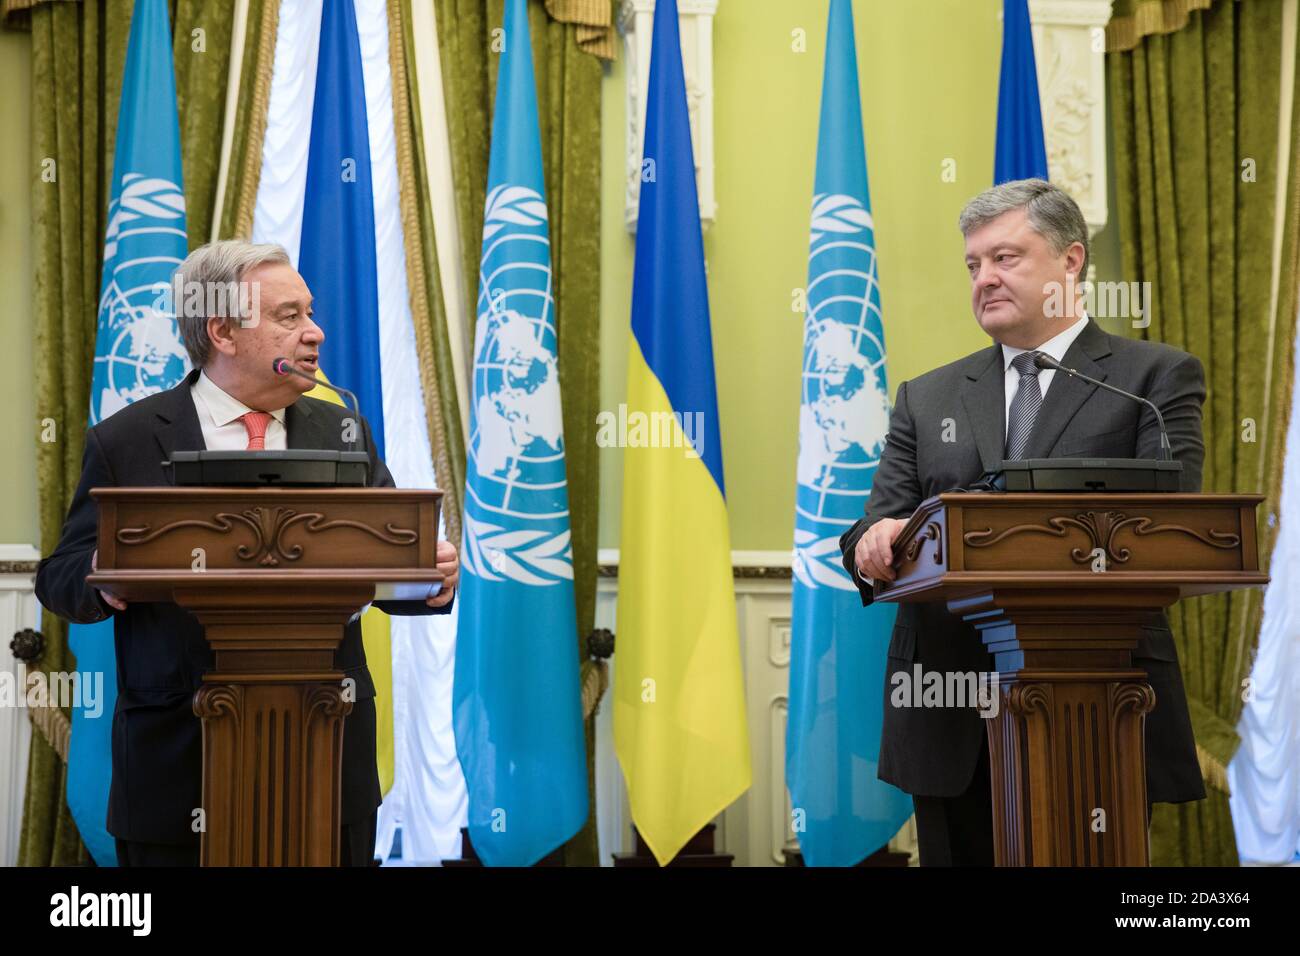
column 161, row 653
column 933, row 751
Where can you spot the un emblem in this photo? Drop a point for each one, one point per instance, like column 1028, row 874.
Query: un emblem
column 517, row 510
column 138, row 349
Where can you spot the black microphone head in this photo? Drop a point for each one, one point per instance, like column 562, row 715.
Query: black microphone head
column 278, row 365
column 1043, row 360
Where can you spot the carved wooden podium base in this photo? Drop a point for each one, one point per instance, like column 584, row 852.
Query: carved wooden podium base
column 272, row 714
column 1066, row 755
column 1060, row 586
column 273, row 575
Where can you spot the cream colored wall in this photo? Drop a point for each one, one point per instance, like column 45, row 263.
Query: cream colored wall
column 929, row 72
column 19, row 523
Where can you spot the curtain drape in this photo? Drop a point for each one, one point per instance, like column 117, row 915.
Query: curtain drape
column 240, row 194
column 78, row 54
column 442, row 403
column 1195, row 125
column 568, row 98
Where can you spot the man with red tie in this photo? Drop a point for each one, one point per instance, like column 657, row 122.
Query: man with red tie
column 239, row 307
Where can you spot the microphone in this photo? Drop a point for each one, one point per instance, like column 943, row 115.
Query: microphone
column 1045, row 361
column 282, row 366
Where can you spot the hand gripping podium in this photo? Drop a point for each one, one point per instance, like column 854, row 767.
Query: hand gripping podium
column 1059, row 587
column 273, row 575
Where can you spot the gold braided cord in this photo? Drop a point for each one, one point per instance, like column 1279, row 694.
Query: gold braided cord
column 1212, row 771
column 54, row 726
column 594, row 677
column 252, row 158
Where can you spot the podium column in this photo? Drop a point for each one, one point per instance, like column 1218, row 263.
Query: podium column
column 272, row 712
column 1066, row 745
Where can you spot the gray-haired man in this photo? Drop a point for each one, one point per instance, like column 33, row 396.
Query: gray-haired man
column 239, row 307
column 1026, row 252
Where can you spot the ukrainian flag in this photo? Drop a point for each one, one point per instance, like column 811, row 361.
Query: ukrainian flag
column 1019, row 150
column 679, row 703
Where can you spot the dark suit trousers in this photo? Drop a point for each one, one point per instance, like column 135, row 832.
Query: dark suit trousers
column 958, row 831
column 357, row 848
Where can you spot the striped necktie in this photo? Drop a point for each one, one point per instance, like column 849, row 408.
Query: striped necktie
column 1024, row 406
column 255, row 423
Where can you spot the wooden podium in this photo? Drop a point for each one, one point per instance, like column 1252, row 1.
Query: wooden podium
column 1059, row 586
column 273, row 575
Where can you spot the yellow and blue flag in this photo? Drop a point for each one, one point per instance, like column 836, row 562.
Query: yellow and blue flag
column 841, row 812
column 516, row 704
column 337, row 260
column 138, row 352
column 679, row 703
column 1020, row 152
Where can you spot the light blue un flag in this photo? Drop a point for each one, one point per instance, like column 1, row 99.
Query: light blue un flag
column 516, row 704
column 138, row 351
column 840, row 812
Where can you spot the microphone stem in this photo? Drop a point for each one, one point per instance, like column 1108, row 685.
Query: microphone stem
column 283, row 367
column 1166, row 450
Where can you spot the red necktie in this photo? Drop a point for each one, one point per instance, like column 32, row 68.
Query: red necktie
column 255, row 423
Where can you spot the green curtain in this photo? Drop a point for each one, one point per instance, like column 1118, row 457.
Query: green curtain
column 447, row 440
column 568, row 97
column 254, row 93
column 78, row 55
column 1195, row 126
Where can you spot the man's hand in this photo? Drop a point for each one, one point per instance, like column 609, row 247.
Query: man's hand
column 112, row 600
column 874, row 555
column 448, row 562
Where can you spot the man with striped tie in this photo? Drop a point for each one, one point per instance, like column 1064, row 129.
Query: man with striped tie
column 1026, row 245
column 239, row 307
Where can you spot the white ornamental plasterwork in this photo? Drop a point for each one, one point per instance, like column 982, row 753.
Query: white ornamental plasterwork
column 1069, row 51
column 695, row 21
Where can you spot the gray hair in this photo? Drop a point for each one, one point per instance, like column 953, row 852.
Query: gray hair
column 207, row 285
column 1051, row 212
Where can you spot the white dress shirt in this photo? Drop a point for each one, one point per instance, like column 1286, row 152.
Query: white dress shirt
column 219, row 413
column 1056, row 347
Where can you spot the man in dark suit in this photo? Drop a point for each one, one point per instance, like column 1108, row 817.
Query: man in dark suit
column 231, row 400
column 1026, row 250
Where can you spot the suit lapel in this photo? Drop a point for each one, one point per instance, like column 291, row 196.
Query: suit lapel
column 1067, row 394
column 176, row 423
column 306, row 428
column 986, row 405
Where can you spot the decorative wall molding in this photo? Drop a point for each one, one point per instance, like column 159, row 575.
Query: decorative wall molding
column 773, row 565
column 18, row 609
column 1069, row 52
column 636, row 23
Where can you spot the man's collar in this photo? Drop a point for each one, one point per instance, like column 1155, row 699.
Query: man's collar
column 1056, row 346
column 221, row 406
